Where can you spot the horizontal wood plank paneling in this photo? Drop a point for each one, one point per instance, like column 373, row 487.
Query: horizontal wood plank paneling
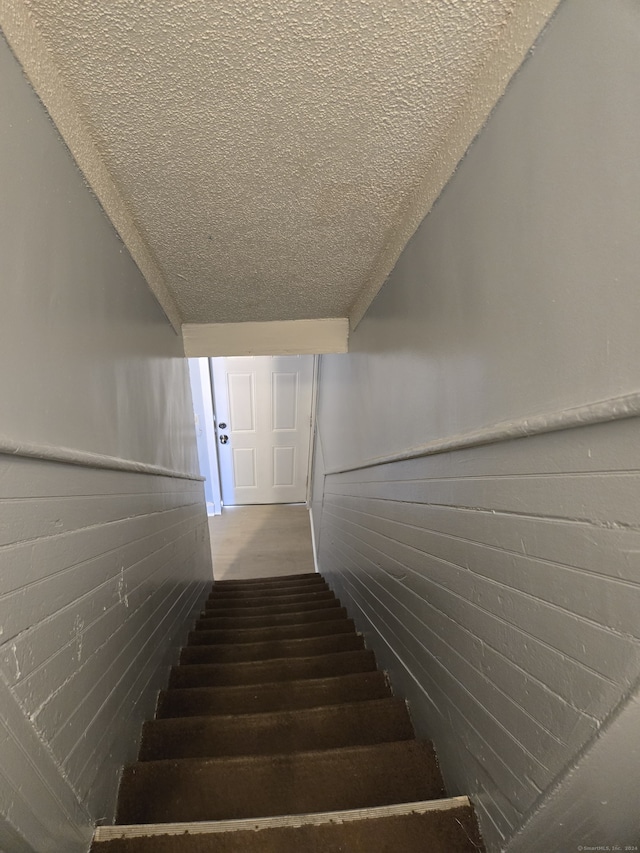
column 101, row 572
column 551, row 580
column 551, row 711
column 54, row 516
column 29, row 775
column 501, row 587
column 596, row 647
column 574, row 498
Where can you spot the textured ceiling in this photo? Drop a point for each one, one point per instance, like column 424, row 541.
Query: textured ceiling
column 268, row 153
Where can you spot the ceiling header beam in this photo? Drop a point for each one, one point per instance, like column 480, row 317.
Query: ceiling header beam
column 279, row 337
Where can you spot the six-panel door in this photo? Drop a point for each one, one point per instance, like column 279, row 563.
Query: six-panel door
column 263, row 416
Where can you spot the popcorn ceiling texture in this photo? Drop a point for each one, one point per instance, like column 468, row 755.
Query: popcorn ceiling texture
column 17, row 27
column 273, row 159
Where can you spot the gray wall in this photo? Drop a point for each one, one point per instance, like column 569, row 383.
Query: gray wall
column 101, row 562
column 499, row 582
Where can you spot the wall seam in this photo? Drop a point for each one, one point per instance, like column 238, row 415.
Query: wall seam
column 50, row 758
column 556, row 783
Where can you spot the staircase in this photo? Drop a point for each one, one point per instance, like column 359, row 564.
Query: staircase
column 278, row 733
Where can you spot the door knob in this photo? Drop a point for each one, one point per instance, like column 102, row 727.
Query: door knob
column 224, row 439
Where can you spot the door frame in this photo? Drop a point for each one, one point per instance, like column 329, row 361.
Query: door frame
column 312, row 424
column 315, row 384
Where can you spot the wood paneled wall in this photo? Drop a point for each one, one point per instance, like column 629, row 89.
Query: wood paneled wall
column 100, row 572
column 501, row 587
column 104, row 548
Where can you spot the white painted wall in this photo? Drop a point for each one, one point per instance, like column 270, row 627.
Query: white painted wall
column 88, row 360
column 202, row 395
column 518, row 294
column 500, row 584
column 103, row 562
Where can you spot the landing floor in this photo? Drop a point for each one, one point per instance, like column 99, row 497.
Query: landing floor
column 261, row 541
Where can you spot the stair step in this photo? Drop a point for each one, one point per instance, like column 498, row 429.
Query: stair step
column 329, row 727
column 274, row 696
column 437, row 826
column 277, row 632
column 271, row 650
column 266, row 621
column 274, row 580
column 194, row 789
column 212, row 609
column 217, row 601
column 296, row 588
column 258, row 672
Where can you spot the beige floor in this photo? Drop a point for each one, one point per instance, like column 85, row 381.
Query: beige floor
column 261, row 541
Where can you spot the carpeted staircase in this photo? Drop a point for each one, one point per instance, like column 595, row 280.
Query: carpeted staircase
column 278, row 734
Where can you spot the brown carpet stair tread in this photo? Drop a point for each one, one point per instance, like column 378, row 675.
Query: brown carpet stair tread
column 210, row 620
column 275, row 580
column 282, row 669
column 285, row 588
column 217, row 601
column 446, row 830
column 276, row 632
column 273, row 696
column 271, row 649
column 278, row 734
column 270, row 591
column 270, row 733
column 194, row 789
column 212, row 609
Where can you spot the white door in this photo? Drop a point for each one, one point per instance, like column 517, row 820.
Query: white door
column 263, row 416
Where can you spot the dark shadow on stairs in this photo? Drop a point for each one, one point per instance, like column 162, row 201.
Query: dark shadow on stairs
column 278, row 733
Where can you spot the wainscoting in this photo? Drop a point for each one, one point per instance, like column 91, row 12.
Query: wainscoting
column 500, row 586
column 100, row 574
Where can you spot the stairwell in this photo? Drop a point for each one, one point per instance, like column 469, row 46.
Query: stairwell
column 278, row 733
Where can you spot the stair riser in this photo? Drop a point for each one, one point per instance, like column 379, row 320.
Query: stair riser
column 263, row 635
column 329, row 614
column 269, row 734
column 452, row 830
column 293, row 669
column 276, row 696
column 219, row 789
column 272, row 610
column 271, row 650
column 268, row 600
